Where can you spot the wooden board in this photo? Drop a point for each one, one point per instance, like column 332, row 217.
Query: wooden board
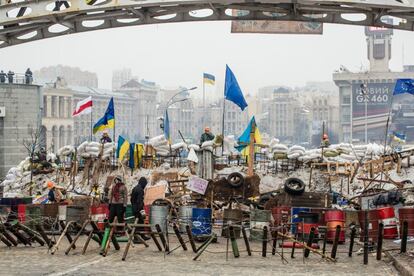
column 307, row 199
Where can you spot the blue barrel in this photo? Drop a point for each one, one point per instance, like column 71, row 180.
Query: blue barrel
column 201, row 222
column 295, row 219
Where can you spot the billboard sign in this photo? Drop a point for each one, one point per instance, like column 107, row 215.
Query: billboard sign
column 378, row 98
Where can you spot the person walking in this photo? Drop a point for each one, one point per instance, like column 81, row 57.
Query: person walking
column 137, row 202
column 118, row 198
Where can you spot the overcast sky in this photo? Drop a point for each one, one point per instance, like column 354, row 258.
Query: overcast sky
column 177, row 54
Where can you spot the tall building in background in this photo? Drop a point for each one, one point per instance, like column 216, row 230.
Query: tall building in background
column 365, row 97
column 72, row 76
column 121, row 77
column 20, row 117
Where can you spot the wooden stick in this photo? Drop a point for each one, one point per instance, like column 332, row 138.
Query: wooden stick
column 131, row 236
column 307, row 247
column 56, row 246
column 87, row 242
column 76, row 237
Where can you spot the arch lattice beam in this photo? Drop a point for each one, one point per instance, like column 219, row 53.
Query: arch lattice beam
column 39, row 19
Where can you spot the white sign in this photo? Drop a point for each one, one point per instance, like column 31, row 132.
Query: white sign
column 2, row 111
column 197, row 185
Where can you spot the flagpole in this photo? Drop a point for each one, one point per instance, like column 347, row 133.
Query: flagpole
column 204, row 102
column 222, row 130
column 91, row 125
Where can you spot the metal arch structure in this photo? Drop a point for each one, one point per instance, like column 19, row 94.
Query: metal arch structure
column 39, row 19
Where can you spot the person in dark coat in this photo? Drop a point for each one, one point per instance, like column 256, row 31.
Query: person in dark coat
column 137, row 202
column 206, row 136
column 2, row 77
column 10, row 75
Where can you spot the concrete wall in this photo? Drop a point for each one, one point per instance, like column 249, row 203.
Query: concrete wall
column 23, row 106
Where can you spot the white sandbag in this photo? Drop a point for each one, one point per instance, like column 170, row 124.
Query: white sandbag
column 273, row 142
column 192, row 156
column 94, row 154
column 81, row 147
column 297, row 151
column 85, row 155
column 178, row 146
column 155, row 141
column 296, row 148
column 280, row 147
column 94, row 144
column 106, row 156
column 15, row 171
column 6, row 183
column 207, row 144
column 51, row 157
column 360, row 147
column 10, row 177
column 108, row 152
column 348, row 157
column 208, row 148
column 109, row 146
column 293, row 155
column 91, row 149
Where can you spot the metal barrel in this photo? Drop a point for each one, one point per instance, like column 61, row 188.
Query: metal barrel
column 185, row 214
column 387, row 217
column 159, row 215
column 373, row 223
column 295, row 217
column 232, row 217
column 333, row 219
column 201, row 222
column 407, row 214
column 258, row 220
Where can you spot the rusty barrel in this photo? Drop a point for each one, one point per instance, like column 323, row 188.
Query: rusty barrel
column 373, row 223
column 387, row 217
column 258, row 220
column 334, row 218
column 407, row 214
column 232, row 217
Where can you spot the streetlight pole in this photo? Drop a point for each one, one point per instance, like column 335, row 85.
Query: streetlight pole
column 364, row 91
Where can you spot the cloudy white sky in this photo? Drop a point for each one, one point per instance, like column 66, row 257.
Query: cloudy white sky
column 177, row 54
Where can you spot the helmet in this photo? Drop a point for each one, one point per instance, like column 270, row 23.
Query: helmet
column 50, row 184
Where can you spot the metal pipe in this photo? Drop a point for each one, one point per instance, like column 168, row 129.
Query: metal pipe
column 157, row 243
column 246, row 241
column 310, row 241
column 336, row 241
column 264, row 242
column 274, row 235
column 379, row 241
column 351, row 243
column 404, row 237
column 234, row 243
column 366, row 238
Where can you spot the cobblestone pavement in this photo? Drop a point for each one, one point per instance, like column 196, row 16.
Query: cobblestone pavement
column 148, row 261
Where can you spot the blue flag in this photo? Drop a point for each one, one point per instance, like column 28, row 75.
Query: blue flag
column 167, row 127
column 232, row 91
column 404, row 86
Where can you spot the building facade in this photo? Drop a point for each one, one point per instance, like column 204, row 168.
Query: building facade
column 365, row 98
column 72, row 76
column 20, row 119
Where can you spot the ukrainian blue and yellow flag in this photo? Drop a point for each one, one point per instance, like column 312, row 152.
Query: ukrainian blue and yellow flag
column 136, row 151
column 108, row 120
column 209, row 79
column 122, row 149
column 399, row 137
column 244, row 139
column 167, row 127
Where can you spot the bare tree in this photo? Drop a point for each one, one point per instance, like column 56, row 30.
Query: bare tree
column 32, row 145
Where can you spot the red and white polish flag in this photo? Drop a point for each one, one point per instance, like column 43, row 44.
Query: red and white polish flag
column 83, row 107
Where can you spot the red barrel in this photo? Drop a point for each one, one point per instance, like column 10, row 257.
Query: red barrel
column 21, row 212
column 333, row 219
column 373, row 223
column 99, row 213
column 281, row 215
column 307, row 222
column 387, row 217
column 407, row 214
